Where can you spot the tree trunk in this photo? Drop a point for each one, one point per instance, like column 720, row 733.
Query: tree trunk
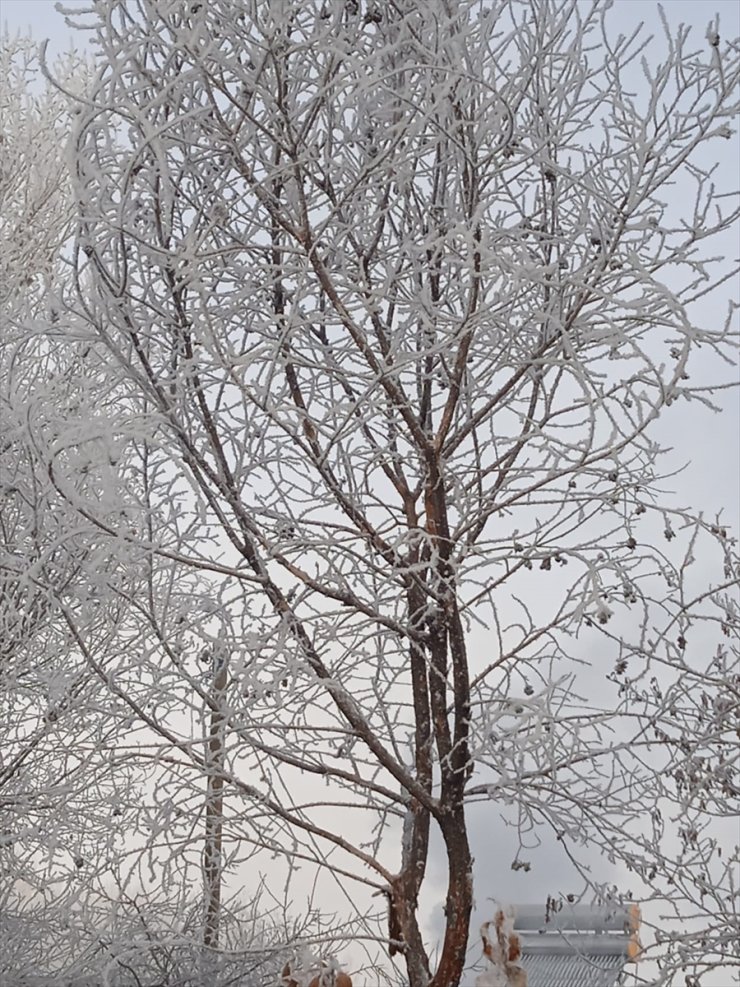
column 212, row 862
column 459, row 903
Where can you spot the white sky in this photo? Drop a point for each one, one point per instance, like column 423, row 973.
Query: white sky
column 710, row 439
column 694, row 433
column 39, row 18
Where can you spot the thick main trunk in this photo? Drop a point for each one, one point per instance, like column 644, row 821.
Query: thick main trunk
column 459, row 903
column 405, row 910
column 447, row 654
column 458, row 908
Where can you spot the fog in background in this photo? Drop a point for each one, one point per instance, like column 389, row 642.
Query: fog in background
column 704, row 447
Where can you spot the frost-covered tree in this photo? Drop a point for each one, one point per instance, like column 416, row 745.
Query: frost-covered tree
column 54, row 772
column 78, row 824
column 395, row 295
column 35, row 217
column 38, row 685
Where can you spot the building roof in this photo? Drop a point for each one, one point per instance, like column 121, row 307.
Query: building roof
column 577, row 946
column 572, row 971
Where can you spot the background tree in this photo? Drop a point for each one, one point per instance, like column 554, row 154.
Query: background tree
column 54, row 773
column 73, row 804
column 394, row 296
column 38, row 681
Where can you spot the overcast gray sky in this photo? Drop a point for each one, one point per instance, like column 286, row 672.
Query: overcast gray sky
column 692, row 432
column 710, row 439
